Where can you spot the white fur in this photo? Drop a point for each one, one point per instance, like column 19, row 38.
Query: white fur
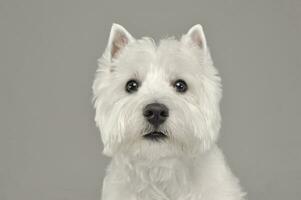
column 187, row 165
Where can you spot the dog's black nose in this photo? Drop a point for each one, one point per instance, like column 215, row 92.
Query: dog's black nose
column 155, row 113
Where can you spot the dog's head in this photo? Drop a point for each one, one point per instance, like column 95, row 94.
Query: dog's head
column 157, row 100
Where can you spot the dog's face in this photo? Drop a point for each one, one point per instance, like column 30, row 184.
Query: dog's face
column 155, row 101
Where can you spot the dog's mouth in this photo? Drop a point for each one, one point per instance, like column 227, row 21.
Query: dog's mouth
column 155, row 135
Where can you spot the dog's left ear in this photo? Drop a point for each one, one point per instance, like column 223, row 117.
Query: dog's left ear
column 119, row 38
column 196, row 36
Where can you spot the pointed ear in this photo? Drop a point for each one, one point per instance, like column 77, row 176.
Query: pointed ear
column 196, row 36
column 119, row 38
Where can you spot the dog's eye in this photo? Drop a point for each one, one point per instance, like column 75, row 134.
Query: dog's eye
column 131, row 86
column 180, row 86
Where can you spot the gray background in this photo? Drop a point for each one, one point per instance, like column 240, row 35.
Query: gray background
column 49, row 146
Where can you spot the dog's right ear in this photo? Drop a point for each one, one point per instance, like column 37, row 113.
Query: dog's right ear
column 119, row 38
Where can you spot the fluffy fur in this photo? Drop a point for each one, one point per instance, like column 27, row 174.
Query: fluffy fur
column 187, row 165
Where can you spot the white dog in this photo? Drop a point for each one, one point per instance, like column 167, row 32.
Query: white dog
column 157, row 108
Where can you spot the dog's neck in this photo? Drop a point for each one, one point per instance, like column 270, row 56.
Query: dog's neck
column 167, row 167
column 161, row 177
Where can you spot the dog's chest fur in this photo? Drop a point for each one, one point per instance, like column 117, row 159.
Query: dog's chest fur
column 160, row 180
column 205, row 177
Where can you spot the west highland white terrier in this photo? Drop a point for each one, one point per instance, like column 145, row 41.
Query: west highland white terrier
column 157, row 108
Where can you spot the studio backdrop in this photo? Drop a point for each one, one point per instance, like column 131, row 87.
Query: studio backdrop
column 50, row 148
